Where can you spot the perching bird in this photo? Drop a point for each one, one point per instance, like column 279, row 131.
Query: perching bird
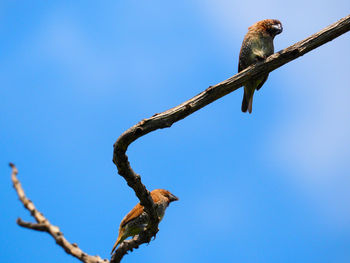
column 136, row 220
column 257, row 45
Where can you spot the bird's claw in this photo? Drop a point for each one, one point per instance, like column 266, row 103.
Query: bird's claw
column 260, row 58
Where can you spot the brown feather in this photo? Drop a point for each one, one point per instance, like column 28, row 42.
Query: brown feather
column 160, row 197
column 138, row 209
column 135, row 212
column 263, row 26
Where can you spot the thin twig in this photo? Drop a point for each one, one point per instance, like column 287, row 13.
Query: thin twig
column 34, row 226
column 45, row 226
column 168, row 118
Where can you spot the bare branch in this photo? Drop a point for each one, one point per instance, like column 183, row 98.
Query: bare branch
column 127, row 245
column 44, row 225
column 34, row 226
column 211, row 94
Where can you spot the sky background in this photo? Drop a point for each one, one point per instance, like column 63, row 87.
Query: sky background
column 269, row 187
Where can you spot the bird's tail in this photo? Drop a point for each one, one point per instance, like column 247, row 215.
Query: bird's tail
column 247, row 102
column 119, row 240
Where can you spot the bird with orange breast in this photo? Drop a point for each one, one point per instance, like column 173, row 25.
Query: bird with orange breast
column 257, row 45
column 137, row 219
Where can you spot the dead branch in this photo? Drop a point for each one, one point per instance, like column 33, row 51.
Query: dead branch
column 167, row 118
column 45, row 226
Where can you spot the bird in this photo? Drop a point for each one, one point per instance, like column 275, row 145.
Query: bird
column 137, row 219
column 257, row 45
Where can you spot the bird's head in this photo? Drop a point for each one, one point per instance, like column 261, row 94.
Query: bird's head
column 272, row 26
column 163, row 194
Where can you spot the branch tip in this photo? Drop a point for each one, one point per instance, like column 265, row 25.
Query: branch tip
column 44, row 225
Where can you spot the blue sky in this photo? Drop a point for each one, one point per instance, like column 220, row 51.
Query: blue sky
column 267, row 187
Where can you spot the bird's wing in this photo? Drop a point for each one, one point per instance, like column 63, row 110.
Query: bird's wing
column 262, row 82
column 138, row 210
column 244, row 54
column 242, row 63
column 239, row 67
column 135, row 212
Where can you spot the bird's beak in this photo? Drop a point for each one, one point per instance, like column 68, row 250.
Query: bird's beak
column 173, row 198
column 278, row 28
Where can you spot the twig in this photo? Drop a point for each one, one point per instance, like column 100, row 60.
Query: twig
column 168, row 118
column 34, row 226
column 45, row 226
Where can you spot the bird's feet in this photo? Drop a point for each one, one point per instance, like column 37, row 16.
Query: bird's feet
column 260, row 58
